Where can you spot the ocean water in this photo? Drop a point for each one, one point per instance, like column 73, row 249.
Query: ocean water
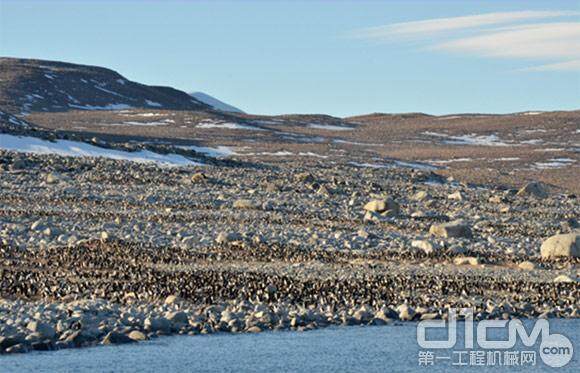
column 390, row 348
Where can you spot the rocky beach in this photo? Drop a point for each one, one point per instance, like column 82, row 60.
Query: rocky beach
column 101, row 251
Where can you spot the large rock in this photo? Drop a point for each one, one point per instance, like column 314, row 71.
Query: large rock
column 53, row 178
column 244, row 204
column 527, row 265
column 458, row 196
column 225, row 237
column 421, row 195
column 561, row 245
column 11, row 340
column 177, row 318
column 382, row 205
column 564, row 278
column 157, row 324
column 456, row 228
column 46, row 331
column 463, row 260
column 137, row 335
column 535, row 189
column 114, row 338
column 425, row 245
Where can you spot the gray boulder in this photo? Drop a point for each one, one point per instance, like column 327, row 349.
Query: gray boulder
column 535, row 189
column 456, row 228
column 44, row 330
column 382, row 205
column 561, row 245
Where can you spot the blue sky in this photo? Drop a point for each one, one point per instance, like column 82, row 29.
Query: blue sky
column 340, row 58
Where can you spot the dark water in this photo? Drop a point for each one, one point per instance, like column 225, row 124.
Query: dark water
column 336, row 349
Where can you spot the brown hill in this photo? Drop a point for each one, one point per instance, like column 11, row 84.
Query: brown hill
column 28, row 85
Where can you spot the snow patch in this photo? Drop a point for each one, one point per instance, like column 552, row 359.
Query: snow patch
column 550, row 150
column 450, row 117
column 302, row 138
column 226, row 125
column 535, row 130
column 108, row 91
column 283, row 153
column 143, row 114
column 471, row 139
column 417, row 166
column 554, row 163
column 107, row 107
column 338, row 141
column 271, row 121
column 506, row 159
column 532, row 142
column 217, row 152
column 370, row 165
column 329, row 127
column 146, row 124
column 445, row 161
column 25, row 144
column 153, row 103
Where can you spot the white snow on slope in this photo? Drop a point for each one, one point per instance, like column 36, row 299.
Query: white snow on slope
column 100, row 88
column 554, row 163
column 284, row 153
column 472, row 139
column 25, row 144
column 107, row 107
column 506, row 159
column 217, row 152
column 14, row 120
column 132, row 114
column 144, row 124
column 416, row 166
column 329, row 127
column 338, row 141
column 227, row 125
column 445, row 161
column 153, row 103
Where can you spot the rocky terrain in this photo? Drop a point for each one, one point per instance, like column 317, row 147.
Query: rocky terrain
column 123, row 225
column 106, row 251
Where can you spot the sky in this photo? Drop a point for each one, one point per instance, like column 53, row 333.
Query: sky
column 340, row 58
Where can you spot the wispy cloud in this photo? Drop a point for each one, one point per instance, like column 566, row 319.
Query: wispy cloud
column 497, row 35
column 550, row 40
column 573, row 65
column 430, row 26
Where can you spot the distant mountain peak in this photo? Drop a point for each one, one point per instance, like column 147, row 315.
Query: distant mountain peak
column 214, row 102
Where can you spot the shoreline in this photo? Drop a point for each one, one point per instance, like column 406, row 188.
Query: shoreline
column 289, row 244
column 132, row 324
